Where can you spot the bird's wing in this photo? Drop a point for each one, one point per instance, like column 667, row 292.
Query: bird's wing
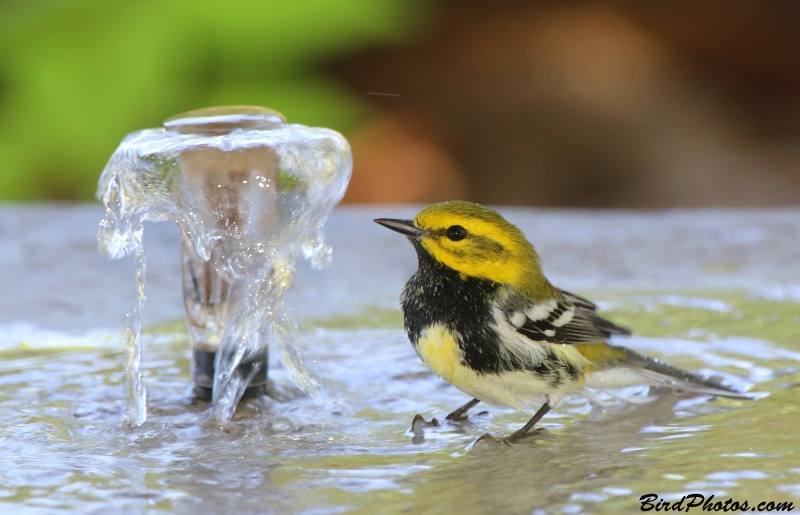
column 568, row 319
column 589, row 309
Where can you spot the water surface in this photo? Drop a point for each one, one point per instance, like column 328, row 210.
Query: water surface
column 711, row 291
column 63, row 445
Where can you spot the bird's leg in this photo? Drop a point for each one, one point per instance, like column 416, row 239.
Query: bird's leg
column 460, row 413
column 527, row 427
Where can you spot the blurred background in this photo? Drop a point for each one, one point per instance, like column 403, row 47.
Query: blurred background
column 617, row 103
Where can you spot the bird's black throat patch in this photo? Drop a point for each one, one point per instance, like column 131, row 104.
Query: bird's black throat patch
column 437, row 294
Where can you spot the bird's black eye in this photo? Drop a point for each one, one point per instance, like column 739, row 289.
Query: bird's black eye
column 456, row 233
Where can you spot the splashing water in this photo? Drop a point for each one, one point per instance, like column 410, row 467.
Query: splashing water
column 250, row 194
column 134, row 381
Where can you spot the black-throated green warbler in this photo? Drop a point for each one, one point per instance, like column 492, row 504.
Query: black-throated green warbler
column 480, row 312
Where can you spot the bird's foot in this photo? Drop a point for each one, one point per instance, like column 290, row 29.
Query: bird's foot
column 486, row 440
column 457, row 416
column 518, row 436
column 461, row 413
column 489, row 440
column 419, row 424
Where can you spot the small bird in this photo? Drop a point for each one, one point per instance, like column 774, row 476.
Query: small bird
column 482, row 315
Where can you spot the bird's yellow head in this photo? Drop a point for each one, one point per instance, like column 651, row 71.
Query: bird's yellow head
column 475, row 241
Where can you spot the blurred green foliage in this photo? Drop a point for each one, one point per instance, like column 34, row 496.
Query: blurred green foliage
column 78, row 75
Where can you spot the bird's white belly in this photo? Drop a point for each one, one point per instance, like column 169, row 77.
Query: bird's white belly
column 521, row 389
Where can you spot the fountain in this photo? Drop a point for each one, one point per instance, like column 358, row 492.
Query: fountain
column 250, row 194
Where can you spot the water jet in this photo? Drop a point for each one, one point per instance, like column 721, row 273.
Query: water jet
column 250, row 194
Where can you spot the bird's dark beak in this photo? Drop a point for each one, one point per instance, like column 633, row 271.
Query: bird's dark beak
column 402, row 226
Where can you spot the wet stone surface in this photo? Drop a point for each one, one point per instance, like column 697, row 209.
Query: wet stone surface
column 713, row 291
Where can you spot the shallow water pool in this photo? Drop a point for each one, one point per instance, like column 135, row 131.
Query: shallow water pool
column 705, row 302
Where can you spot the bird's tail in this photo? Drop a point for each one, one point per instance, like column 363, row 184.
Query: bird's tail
column 614, row 367
column 661, row 374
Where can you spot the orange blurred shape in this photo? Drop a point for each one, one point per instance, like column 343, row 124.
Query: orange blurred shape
column 393, row 163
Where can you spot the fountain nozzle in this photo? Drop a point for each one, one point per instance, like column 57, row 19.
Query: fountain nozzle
column 250, row 193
